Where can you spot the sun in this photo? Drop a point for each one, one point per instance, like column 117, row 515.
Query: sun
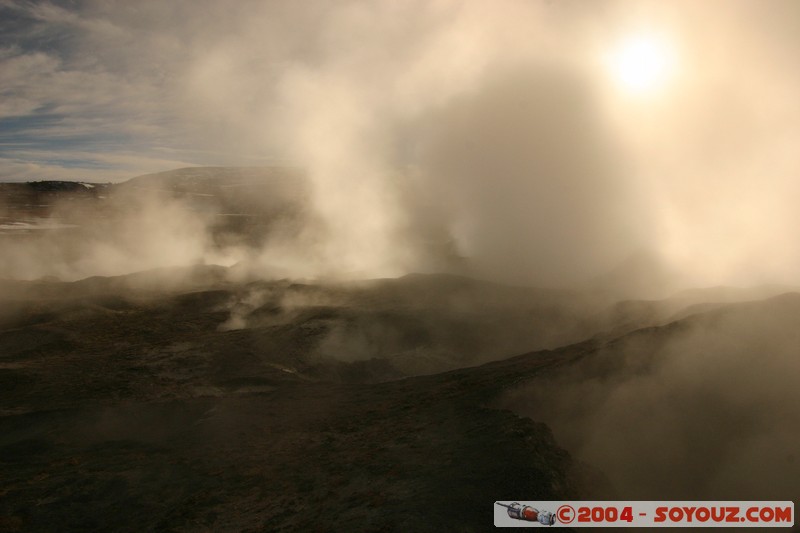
column 641, row 63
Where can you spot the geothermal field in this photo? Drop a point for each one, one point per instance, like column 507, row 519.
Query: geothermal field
column 206, row 397
column 376, row 266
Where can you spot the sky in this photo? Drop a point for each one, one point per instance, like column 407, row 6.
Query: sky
column 591, row 131
column 98, row 90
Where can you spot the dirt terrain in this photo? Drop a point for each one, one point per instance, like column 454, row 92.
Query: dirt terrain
column 209, row 398
column 124, row 411
column 128, row 408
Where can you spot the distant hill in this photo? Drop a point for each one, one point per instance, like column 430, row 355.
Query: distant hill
column 42, row 187
column 21, row 202
column 242, row 204
column 250, row 187
column 246, row 186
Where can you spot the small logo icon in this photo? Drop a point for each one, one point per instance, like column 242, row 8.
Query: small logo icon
column 565, row 514
column 528, row 513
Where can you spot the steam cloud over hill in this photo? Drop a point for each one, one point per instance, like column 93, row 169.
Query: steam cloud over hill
column 494, row 128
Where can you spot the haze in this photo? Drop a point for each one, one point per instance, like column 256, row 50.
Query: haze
column 504, row 124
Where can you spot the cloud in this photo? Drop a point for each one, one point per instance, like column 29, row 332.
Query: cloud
column 140, row 231
column 363, row 94
column 533, row 179
column 705, row 408
column 63, row 97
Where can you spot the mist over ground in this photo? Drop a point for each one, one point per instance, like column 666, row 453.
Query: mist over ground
column 703, row 407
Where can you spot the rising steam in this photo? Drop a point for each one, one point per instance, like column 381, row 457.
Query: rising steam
column 701, row 409
column 491, row 128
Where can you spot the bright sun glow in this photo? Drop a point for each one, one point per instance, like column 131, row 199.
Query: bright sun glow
column 642, row 63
